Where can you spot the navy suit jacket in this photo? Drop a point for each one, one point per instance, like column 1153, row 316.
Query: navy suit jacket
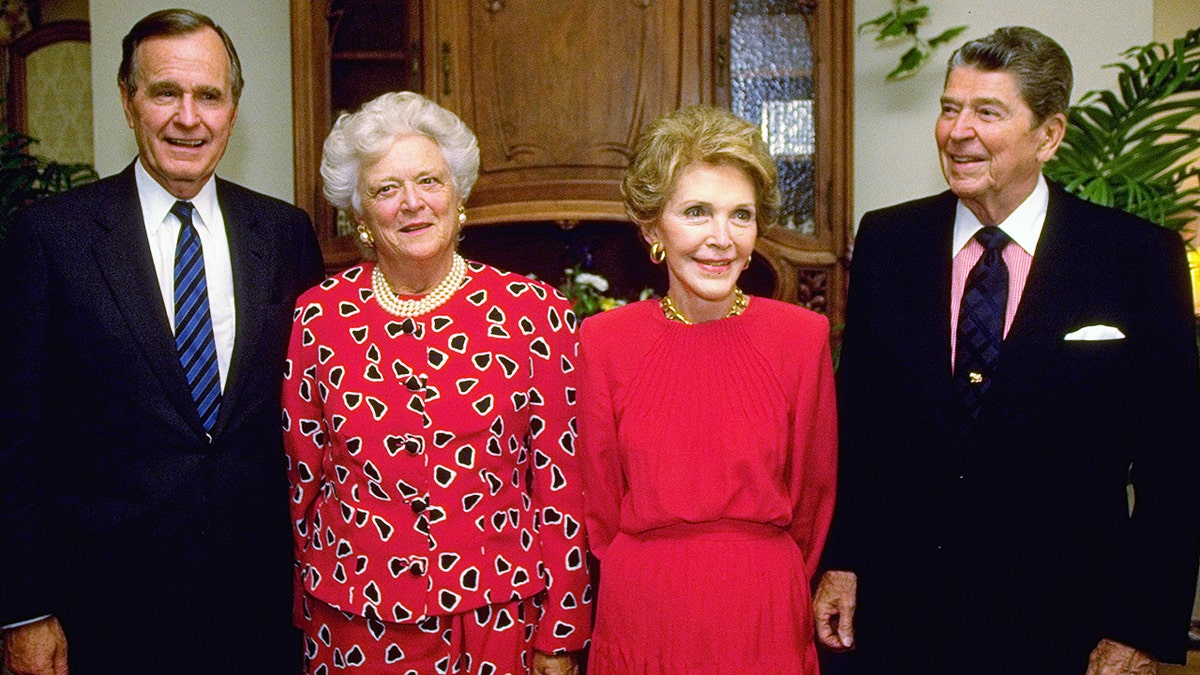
column 157, row 548
column 1012, row 549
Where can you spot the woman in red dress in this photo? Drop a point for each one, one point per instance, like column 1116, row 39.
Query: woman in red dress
column 429, row 425
column 707, row 426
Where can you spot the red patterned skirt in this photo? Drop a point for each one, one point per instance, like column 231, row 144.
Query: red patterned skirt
column 491, row 640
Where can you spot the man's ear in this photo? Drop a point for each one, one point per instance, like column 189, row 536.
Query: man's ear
column 1053, row 129
column 126, row 103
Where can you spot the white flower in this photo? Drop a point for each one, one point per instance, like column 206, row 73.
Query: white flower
column 594, row 280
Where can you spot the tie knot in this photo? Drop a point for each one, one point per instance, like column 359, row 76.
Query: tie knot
column 992, row 238
column 183, row 211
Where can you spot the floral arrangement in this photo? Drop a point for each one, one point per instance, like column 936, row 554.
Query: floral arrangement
column 586, row 291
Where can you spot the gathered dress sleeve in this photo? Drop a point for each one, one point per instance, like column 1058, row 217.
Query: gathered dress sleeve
column 814, row 449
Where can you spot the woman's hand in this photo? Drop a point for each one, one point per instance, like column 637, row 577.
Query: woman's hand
column 562, row 664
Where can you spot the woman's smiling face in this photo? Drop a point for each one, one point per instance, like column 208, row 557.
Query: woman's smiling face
column 707, row 229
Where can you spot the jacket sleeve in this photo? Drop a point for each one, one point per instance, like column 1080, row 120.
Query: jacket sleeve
column 1151, row 606
column 556, row 486
column 25, row 304
column 304, row 430
column 855, row 404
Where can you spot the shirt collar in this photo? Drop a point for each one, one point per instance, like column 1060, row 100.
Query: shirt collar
column 1024, row 225
column 157, row 202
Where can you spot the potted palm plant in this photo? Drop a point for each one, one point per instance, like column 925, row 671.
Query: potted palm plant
column 26, row 178
column 1127, row 148
column 1135, row 148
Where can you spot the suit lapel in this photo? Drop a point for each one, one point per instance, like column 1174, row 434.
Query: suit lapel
column 252, row 285
column 926, row 308
column 1068, row 259
column 122, row 252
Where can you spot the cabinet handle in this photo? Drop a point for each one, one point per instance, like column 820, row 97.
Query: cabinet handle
column 446, row 69
column 722, row 59
column 415, row 58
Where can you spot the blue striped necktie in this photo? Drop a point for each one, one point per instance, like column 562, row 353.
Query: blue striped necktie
column 981, row 322
column 193, row 321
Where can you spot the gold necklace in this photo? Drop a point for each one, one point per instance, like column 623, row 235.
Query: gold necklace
column 740, row 301
column 393, row 305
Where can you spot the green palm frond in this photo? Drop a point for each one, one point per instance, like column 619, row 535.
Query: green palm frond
column 1123, row 147
column 26, row 178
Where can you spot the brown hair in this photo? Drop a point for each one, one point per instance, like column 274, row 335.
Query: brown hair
column 687, row 136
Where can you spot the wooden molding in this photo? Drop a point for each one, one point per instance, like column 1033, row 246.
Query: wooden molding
column 73, row 30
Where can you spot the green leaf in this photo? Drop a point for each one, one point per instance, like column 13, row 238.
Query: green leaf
column 946, row 36
column 910, row 63
column 881, row 20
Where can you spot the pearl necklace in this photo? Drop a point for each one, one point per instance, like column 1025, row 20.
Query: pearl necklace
column 393, row 305
column 740, row 300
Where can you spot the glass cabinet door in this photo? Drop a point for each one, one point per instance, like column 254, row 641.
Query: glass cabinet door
column 771, row 85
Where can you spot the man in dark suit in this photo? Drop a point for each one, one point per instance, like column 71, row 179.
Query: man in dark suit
column 143, row 508
column 1014, row 357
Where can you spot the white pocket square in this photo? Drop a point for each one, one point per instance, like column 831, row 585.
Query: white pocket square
column 1096, row 332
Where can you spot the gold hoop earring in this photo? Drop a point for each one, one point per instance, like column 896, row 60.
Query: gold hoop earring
column 365, row 236
column 657, row 252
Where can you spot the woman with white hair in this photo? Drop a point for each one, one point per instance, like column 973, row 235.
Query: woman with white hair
column 429, row 425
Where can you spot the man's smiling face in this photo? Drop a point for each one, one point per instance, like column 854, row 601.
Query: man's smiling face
column 182, row 110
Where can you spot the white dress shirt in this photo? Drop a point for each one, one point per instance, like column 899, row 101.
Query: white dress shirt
column 1023, row 226
column 162, row 230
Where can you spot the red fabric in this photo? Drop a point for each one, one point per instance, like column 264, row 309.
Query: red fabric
column 487, row 509
column 494, row 639
column 692, row 437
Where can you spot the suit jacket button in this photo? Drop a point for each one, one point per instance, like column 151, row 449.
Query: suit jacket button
column 418, row 506
column 416, row 569
column 412, row 447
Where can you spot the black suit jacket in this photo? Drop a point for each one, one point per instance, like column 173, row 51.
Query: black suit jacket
column 159, row 549
column 1012, row 549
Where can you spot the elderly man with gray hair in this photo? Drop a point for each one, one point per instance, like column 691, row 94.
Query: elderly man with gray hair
column 143, row 490
column 1018, row 400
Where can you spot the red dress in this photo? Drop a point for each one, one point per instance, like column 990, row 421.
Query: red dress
column 709, row 456
column 432, row 459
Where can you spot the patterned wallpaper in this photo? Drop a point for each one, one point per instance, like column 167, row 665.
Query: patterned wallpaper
column 59, row 101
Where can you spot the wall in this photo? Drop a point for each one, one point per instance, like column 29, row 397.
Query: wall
column 260, row 151
column 893, row 121
column 895, row 158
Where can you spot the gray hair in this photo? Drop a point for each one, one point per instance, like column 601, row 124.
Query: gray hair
column 173, row 23
column 359, row 138
column 1039, row 64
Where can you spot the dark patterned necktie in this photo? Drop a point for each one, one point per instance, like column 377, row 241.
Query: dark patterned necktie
column 981, row 321
column 193, row 320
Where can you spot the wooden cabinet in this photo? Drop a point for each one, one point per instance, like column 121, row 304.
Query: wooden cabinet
column 557, row 92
